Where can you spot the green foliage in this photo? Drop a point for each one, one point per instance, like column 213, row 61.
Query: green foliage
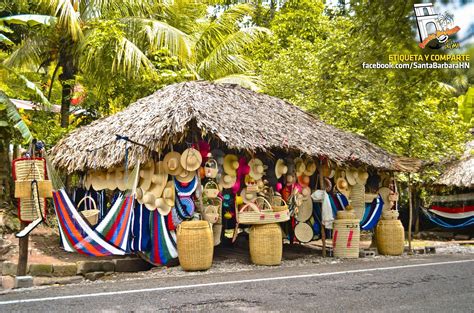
column 466, row 106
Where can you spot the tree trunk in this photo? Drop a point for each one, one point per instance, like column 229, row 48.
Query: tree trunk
column 67, row 78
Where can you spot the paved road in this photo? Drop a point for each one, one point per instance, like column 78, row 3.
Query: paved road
column 440, row 283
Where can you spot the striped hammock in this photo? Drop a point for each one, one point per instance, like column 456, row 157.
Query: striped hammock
column 450, row 218
column 110, row 237
column 372, row 214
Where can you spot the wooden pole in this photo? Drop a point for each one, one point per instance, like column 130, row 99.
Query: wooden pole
column 23, row 253
column 323, row 229
column 410, row 213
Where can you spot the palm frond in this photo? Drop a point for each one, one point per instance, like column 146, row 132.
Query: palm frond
column 247, row 81
column 31, row 53
column 130, row 59
column 4, row 39
column 68, row 18
column 28, row 19
column 112, row 8
column 14, row 118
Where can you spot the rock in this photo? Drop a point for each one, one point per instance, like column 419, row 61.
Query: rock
column 23, row 282
column 41, row 270
column 8, row 282
column 131, row 265
column 84, row 267
column 92, row 276
column 9, row 268
column 42, row 281
column 64, row 269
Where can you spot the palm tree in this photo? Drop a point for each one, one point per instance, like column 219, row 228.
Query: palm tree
column 100, row 38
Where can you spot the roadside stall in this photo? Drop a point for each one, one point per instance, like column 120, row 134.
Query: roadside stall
column 198, row 164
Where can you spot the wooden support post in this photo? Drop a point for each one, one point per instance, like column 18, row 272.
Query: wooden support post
column 410, row 213
column 23, row 253
column 323, row 229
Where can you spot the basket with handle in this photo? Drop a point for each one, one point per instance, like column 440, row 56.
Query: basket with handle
column 252, row 213
column 211, row 189
column 211, row 214
column 90, row 215
column 278, row 204
column 211, row 169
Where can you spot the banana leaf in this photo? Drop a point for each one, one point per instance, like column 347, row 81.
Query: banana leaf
column 28, row 19
column 15, row 118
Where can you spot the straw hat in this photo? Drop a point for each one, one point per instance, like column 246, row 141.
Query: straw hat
column 185, row 176
column 299, row 166
column 172, row 162
column 280, row 168
column 304, row 232
column 290, row 179
column 351, row 176
column 98, row 180
column 120, row 179
column 256, row 168
column 362, row 176
column 191, row 159
column 149, row 201
column 139, row 195
column 310, row 167
column 325, row 170
column 306, row 192
column 231, row 164
column 169, row 193
column 339, row 173
column 290, row 164
column 146, row 173
column 159, row 179
column 248, row 196
column 305, row 210
column 110, row 179
column 342, row 186
column 227, row 181
column 162, row 207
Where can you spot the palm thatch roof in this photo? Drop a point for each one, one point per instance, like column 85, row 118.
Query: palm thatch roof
column 227, row 113
column 460, row 173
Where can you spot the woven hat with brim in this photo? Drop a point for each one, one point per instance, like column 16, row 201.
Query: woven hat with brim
column 110, row 179
column 87, row 182
column 169, row 193
column 146, row 173
column 158, row 180
column 139, row 195
column 304, row 232
column 149, row 201
column 186, row 189
column 305, row 210
column 280, row 168
column 299, row 166
column 162, row 207
column 99, row 180
column 362, row 176
column 290, row 179
column 310, row 167
column 342, row 186
column 185, row 176
column 290, row 164
column 191, row 159
column 324, row 170
column 172, row 163
column 256, row 168
column 306, row 192
column 120, row 179
column 248, row 197
column 227, row 181
column 231, row 164
column 339, row 173
column 351, row 176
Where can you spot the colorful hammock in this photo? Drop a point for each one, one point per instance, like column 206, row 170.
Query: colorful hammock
column 372, row 214
column 163, row 241
column 141, row 232
column 110, row 237
column 450, row 218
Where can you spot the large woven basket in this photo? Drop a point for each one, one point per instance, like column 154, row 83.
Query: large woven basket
column 266, row 244
column 390, row 215
column 346, row 238
column 251, row 214
column 195, row 245
column 390, row 237
column 358, row 200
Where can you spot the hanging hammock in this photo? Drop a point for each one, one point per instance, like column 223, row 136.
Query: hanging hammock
column 372, row 214
column 450, row 220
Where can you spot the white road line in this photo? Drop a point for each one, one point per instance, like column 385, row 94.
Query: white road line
column 233, row 282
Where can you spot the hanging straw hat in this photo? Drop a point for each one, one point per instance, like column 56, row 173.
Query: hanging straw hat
column 146, row 173
column 290, row 179
column 139, row 195
column 169, row 193
column 149, row 201
column 120, row 179
column 304, row 232
column 231, row 164
column 162, row 207
column 310, row 167
column 186, row 176
column 256, row 168
column 342, row 186
column 159, row 180
column 99, row 180
column 339, row 173
column 280, row 168
column 227, row 181
column 362, row 176
column 191, row 159
column 290, row 165
column 324, row 170
column 172, row 162
column 248, row 196
column 351, row 176
column 299, row 166
column 87, row 182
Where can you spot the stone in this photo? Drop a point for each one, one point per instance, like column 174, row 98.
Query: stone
column 9, row 268
column 42, row 281
column 131, row 265
column 92, row 276
column 84, row 267
column 8, row 282
column 23, row 281
column 40, row 270
column 64, row 269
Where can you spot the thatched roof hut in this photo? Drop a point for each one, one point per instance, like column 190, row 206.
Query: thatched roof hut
column 460, row 173
column 238, row 117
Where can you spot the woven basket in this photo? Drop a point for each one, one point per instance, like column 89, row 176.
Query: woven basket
column 345, row 215
column 90, row 215
column 390, row 237
column 278, row 204
column 346, row 237
column 390, row 215
column 251, row 214
column 195, row 245
column 358, row 200
column 266, row 244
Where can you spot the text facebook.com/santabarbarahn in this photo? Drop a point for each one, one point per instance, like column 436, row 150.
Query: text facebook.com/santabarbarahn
column 418, row 61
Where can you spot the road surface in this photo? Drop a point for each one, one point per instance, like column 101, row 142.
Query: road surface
column 438, row 283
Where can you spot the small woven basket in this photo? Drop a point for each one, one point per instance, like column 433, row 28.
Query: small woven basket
column 251, row 214
column 266, row 244
column 390, row 237
column 345, row 215
column 346, row 238
column 195, row 245
column 90, row 215
column 278, row 204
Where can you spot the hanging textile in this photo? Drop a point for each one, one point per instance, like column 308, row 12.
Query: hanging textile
column 372, row 214
column 450, row 220
column 141, row 231
column 163, row 241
